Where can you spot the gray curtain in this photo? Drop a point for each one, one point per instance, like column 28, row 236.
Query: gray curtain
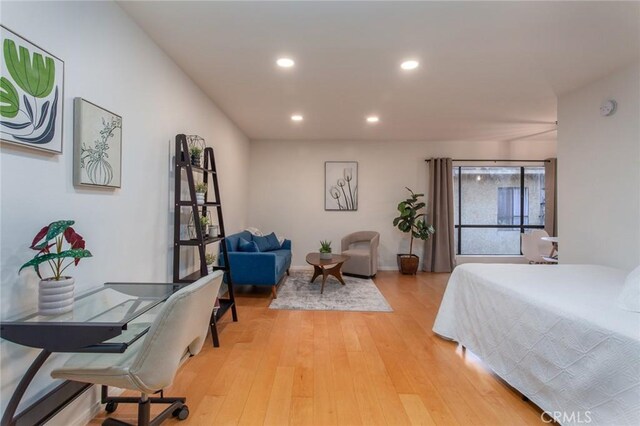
column 551, row 196
column 439, row 254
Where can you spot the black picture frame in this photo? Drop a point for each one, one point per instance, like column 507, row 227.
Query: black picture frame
column 341, row 186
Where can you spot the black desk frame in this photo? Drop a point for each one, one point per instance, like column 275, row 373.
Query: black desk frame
column 70, row 337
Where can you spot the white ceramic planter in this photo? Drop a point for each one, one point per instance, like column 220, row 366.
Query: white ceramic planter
column 325, row 256
column 213, row 231
column 210, row 269
column 200, row 197
column 55, row 297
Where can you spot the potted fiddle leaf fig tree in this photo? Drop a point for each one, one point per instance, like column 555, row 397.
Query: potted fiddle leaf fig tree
column 55, row 293
column 412, row 220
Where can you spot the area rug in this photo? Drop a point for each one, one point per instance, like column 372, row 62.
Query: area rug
column 359, row 294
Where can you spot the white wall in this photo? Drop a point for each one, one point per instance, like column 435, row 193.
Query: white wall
column 111, row 62
column 599, row 172
column 287, row 186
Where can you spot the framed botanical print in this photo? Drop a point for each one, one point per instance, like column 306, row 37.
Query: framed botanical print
column 97, row 141
column 341, row 185
column 31, row 94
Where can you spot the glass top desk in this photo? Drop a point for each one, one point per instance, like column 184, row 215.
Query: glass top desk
column 107, row 319
column 102, row 320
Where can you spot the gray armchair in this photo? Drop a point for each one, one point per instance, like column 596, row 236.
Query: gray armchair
column 362, row 249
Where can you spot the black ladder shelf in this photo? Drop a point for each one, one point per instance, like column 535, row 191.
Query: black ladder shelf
column 201, row 241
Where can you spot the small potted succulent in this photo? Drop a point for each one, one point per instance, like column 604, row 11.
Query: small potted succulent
column 201, row 190
column 204, row 225
column 325, row 250
column 55, row 294
column 210, row 260
column 412, row 220
column 195, row 152
column 213, row 230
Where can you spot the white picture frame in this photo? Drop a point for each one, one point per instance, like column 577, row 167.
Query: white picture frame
column 97, row 141
column 31, row 94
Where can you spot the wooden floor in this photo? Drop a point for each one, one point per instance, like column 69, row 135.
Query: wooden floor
column 348, row 368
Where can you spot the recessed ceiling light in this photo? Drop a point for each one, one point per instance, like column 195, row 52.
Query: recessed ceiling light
column 409, row 65
column 297, row 117
column 373, row 119
column 285, row 62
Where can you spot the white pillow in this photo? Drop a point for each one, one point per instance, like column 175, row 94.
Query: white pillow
column 629, row 298
column 255, row 231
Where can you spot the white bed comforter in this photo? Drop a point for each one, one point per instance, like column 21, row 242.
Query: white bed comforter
column 554, row 332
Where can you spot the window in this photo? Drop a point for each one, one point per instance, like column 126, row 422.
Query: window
column 509, row 206
column 494, row 205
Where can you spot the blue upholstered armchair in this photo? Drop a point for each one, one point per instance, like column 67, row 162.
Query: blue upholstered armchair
column 266, row 268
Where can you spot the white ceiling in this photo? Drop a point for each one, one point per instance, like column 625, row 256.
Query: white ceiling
column 489, row 71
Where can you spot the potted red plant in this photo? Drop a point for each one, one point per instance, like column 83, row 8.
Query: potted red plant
column 55, row 294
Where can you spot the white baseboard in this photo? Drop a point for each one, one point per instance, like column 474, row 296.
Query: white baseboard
column 80, row 411
column 83, row 409
column 301, row 268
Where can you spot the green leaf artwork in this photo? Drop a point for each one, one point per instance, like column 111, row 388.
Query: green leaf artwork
column 31, row 94
column 9, row 101
column 35, row 77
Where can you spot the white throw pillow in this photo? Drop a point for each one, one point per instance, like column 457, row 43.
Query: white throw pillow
column 629, row 298
column 255, row 231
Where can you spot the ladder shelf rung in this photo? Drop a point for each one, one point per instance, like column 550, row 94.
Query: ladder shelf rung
column 197, row 169
column 197, row 242
column 194, row 276
column 187, row 203
column 225, row 304
column 220, row 268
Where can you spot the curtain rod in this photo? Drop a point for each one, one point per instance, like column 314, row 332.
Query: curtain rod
column 495, row 161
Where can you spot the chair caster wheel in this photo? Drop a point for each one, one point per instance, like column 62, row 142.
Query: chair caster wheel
column 111, row 407
column 181, row 413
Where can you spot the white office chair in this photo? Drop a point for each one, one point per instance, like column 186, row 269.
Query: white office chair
column 534, row 248
column 150, row 365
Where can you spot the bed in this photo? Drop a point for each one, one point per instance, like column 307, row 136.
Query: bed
column 553, row 332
